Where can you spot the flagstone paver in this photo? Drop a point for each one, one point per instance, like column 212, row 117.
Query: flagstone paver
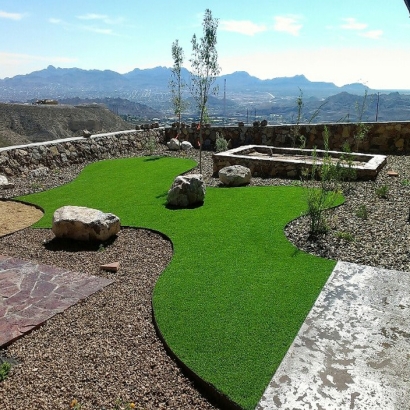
column 352, row 352
column 31, row 293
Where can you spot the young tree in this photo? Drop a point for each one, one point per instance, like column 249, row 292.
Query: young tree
column 176, row 83
column 204, row 70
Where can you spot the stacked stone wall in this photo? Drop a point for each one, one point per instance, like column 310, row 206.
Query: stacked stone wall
column 54, row 154
column 382, row 138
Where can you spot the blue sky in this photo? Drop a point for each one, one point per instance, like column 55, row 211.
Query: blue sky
column 345, row 41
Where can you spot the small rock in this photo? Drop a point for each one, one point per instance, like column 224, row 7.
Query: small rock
column 39, row 172
column 4, row 183
column 186, row 145
column 111, row 267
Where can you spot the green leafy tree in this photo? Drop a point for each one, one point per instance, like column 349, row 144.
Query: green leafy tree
column 177, row 83
column 204, row 70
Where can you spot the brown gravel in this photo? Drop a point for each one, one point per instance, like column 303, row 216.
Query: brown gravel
column 106, row 348
column 102, row 349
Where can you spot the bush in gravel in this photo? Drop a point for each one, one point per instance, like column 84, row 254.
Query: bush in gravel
column 75, row 404
column 361, row 212
column 382, row 191
column 323, row 197
column 346, row 236
column 4, row 370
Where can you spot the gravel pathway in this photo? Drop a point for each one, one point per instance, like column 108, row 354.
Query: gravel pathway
column 105, row 349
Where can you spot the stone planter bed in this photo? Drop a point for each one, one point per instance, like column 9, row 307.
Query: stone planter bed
column 266, row 161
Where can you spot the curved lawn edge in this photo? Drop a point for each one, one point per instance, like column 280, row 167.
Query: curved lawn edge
column 180, row 313
column 232, row 255
column 207, row 389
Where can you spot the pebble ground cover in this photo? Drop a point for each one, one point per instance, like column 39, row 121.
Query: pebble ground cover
column 236, row 291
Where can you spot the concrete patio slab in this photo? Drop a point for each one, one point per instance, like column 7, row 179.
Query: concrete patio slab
column 353, row 350
column 31, row 293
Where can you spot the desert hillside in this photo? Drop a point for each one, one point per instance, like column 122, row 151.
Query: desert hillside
column 23, row 124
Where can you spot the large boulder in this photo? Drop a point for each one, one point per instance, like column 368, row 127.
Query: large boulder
column 235, row 175
column 186, row 190
column 84, row 224
column 174, row 144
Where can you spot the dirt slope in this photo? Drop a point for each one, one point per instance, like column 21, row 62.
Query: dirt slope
column 21, row 123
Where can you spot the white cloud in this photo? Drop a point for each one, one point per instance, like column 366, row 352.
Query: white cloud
column 97, row 30
column 101, row 17
column 11, row 16
column 92, row 16
column 373, row 34
column 54, row 20
column 352, row 24
column 245, row 27
column 287, row 24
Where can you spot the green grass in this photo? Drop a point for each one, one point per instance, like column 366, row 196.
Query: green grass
column 236, row 291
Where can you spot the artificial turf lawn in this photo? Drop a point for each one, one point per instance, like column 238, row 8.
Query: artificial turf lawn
column 236, row 291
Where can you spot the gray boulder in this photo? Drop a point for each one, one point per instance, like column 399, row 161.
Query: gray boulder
column 174, row 144
column 4, row 183
column 186, row 145
column 84, row 224
column 39, row 172
column 235, row 175
column 87, row 134
column 186, row 190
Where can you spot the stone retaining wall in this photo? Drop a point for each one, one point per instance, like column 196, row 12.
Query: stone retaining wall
column 383, row 137
column 54, row 154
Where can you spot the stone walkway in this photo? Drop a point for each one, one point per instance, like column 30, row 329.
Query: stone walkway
column 31, row 293
column 353, row 350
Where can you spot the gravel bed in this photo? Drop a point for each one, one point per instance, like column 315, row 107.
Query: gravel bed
column 380, row 238
column 105, row 348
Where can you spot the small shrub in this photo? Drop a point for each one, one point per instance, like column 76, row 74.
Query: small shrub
column 221, row 144
column 121, row 405
column 382, row 191
column 346, row 236
column 4, row 370
column 361, row 212
column 317, row 202
column 324, row 197
column 405, row 182
column 75, row 405
column 151, row 145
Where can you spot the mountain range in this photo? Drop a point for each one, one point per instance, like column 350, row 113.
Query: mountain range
column 60, row 83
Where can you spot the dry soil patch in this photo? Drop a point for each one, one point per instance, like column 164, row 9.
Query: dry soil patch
column 16, row 215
